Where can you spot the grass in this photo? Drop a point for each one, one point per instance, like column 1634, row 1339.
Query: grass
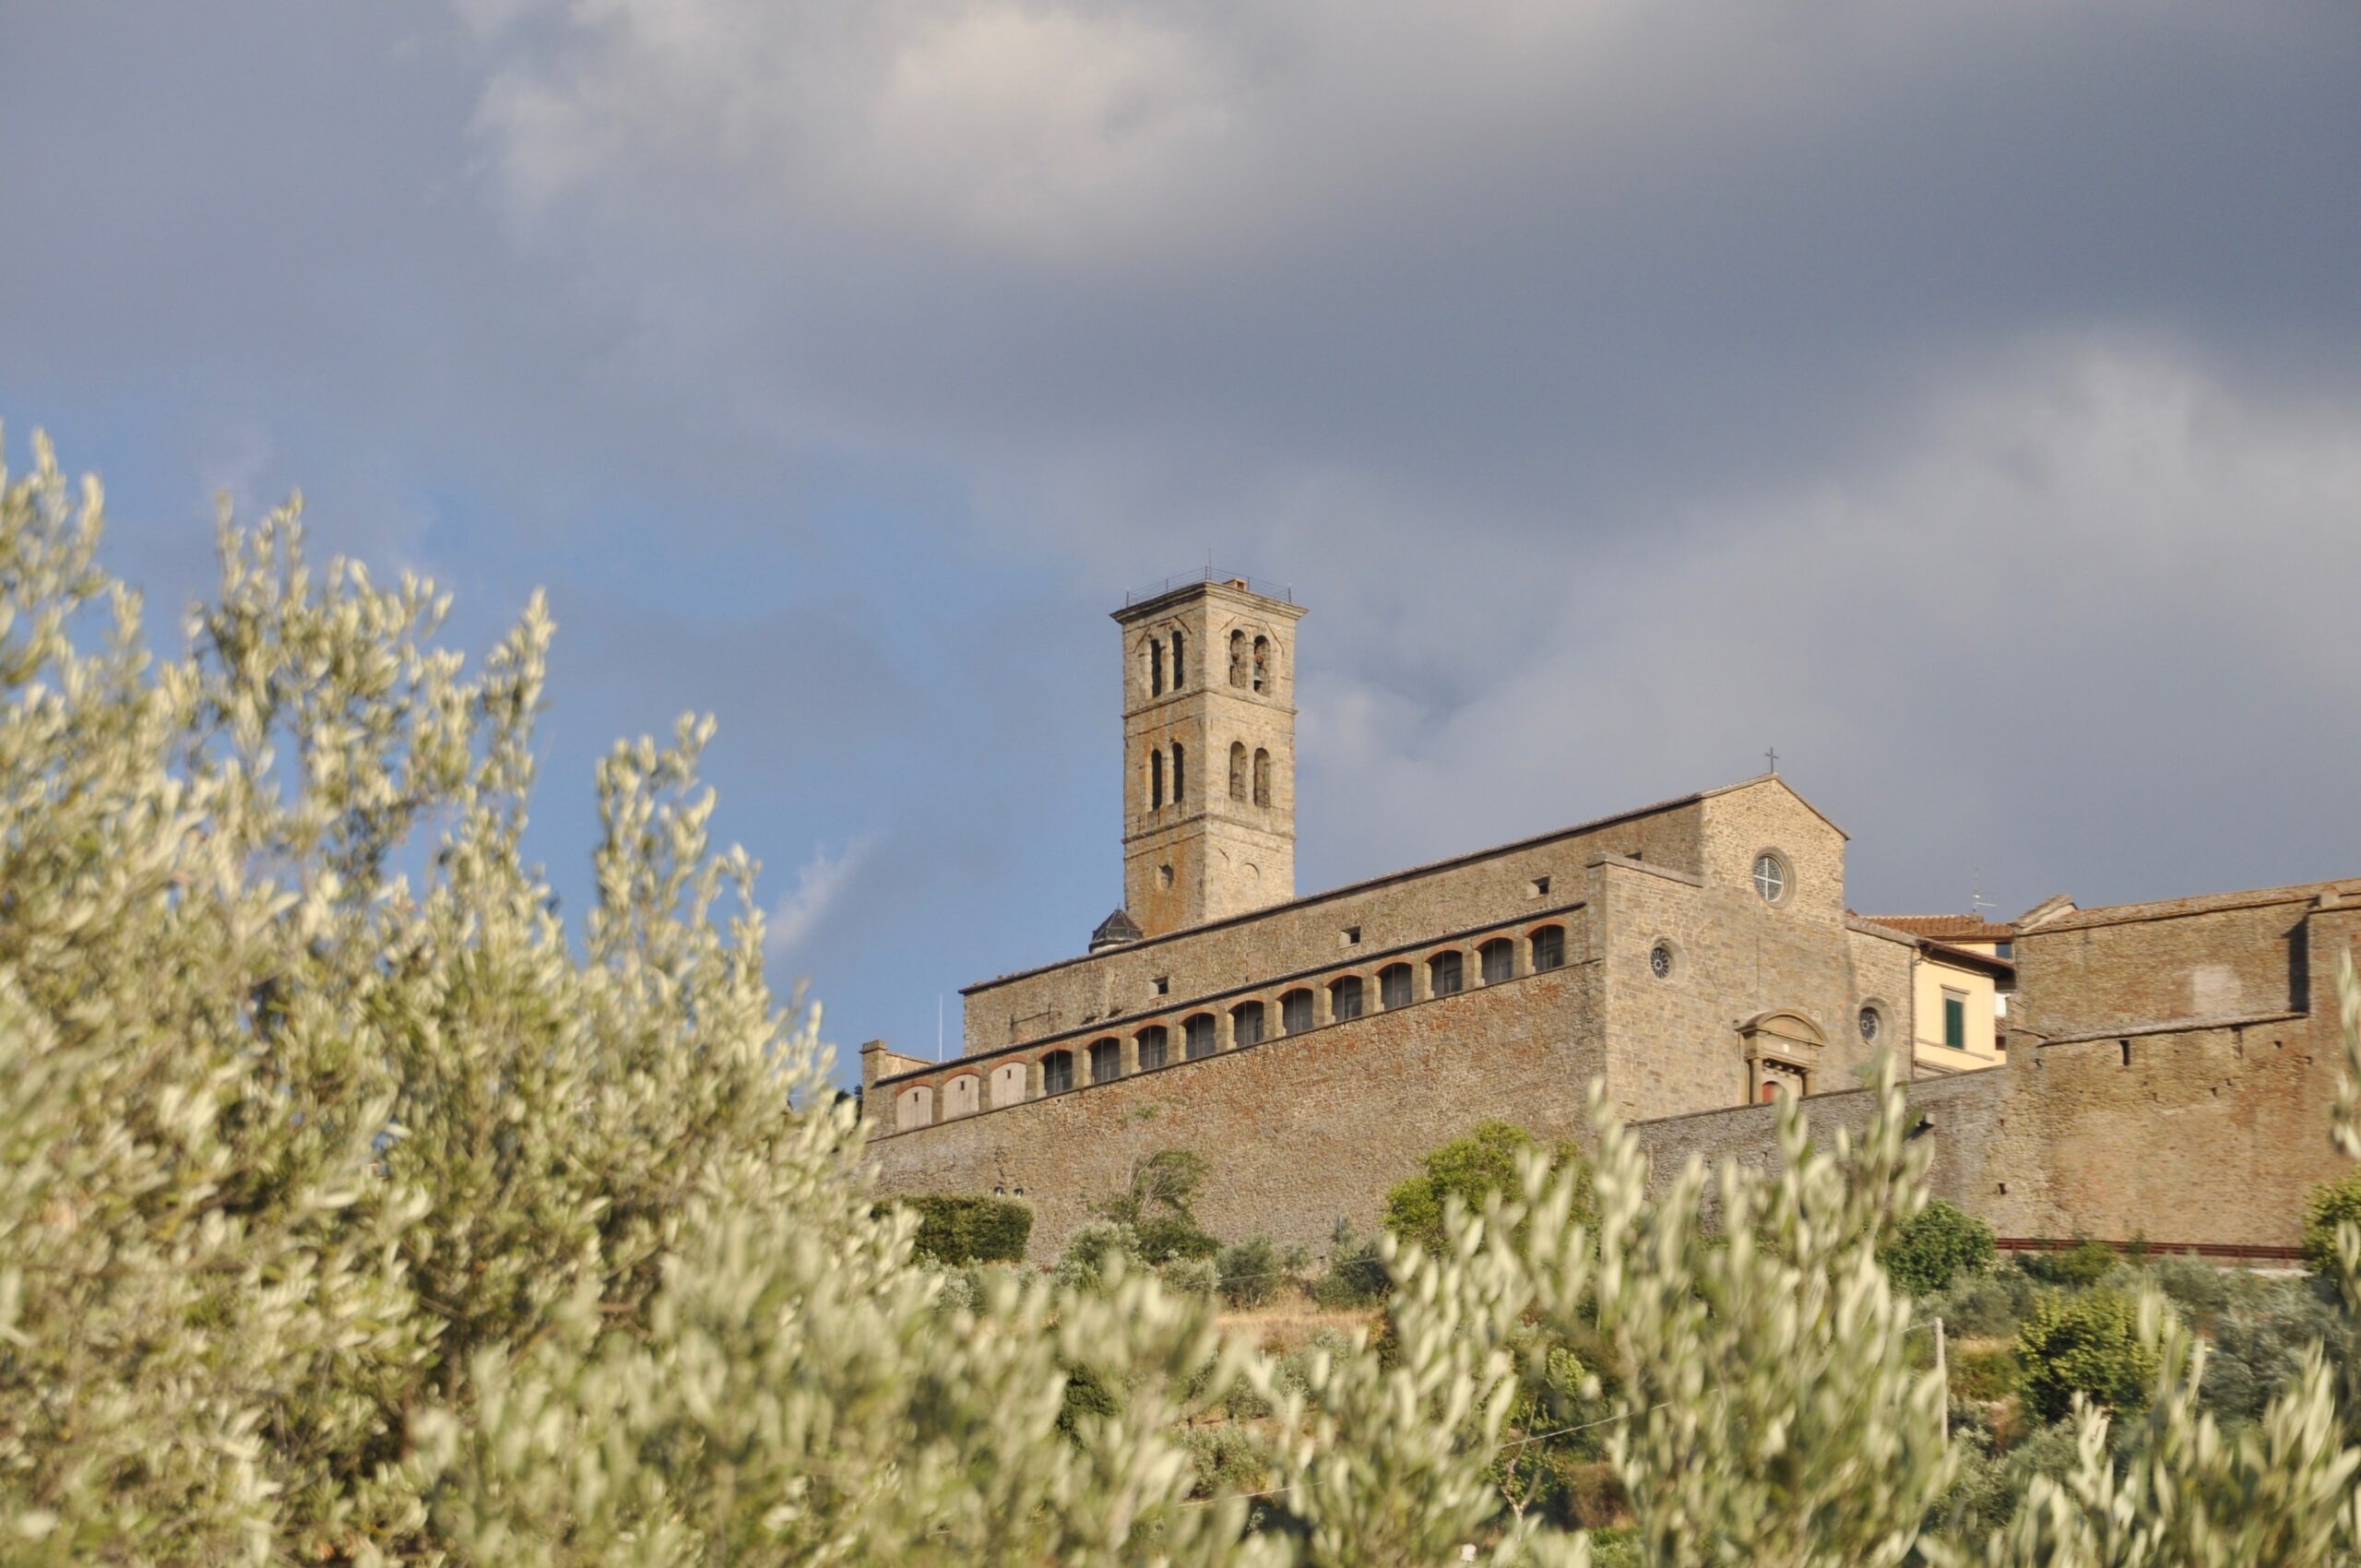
column 1293, row 1321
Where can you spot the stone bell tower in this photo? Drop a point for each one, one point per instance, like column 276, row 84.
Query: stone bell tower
column 1208, row 753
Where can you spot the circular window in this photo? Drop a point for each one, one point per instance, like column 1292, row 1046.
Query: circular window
column 1660, row 961
column 1770, row 876
column 1871, row 1022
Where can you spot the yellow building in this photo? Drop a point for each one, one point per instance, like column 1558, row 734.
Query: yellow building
column 1959, row 985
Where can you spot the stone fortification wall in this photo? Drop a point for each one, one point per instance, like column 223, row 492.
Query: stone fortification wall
column 1117, row 987
column 1298, row 1132
column 1967, row 1113
column 2191, row 1135
column 2195, row 959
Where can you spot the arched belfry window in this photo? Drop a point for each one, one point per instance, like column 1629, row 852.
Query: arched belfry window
column 1154, row 668
column 1262, row 662
column 1261, row 776
column 1179, row 662
column 1237, row 659
column 1156, row 780
column 1238, row 771
column 1179, row 773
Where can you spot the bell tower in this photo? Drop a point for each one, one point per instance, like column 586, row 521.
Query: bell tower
column 1208, row 753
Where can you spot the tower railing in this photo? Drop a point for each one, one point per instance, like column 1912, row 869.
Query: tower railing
column 1284, row 592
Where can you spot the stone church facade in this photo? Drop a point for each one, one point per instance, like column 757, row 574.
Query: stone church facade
column 1695, row 957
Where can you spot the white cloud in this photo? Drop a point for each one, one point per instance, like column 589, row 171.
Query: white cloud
column 2084, row 592
column 820, row 883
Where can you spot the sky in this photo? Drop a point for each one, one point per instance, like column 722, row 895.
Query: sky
column 1962, row 397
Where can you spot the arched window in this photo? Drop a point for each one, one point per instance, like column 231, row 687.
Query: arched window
column 1549, row 947
column 1394, row 986
column 1198, row 1034
column 1262, row 662
column 1345, row 998
column 1056, row 1072
column 1152, row 1047
column 1106, row 1061
column 1238, row 770
column 1179, row 662
column 1444, row 975
column 1499, row 957
column 963, row 1095
column 1295, row 1012
column 1179, row 774
column 1156, row 780
column 1154, row 668
column 1246, row 1024
column 1237, row 659
column 1261, row 776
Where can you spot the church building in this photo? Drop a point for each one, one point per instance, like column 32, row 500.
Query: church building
column 1696, row 956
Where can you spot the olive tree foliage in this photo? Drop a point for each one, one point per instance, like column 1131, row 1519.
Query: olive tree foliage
column 348, row 1211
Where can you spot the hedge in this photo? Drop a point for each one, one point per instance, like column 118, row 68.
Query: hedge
column 954, row 1228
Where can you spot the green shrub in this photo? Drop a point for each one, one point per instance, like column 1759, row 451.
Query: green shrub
column 2259, row 1346
column 1471, row 1168
column 2084, row 1264
column 1157, row 1203
column 1356, row 1275
column 1937, row 1245
column 1253, row 1272
column 955, row 1230
column 2089, row 1344
column 1985, row 1373
column 1229, row 1461
column 1090, row 1249
column 1987, row 1306
column 2331, row 1204
column 1190, row 1276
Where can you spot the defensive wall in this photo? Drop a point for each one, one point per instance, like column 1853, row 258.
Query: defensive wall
column 2183, row 1130
column 2160, row 1118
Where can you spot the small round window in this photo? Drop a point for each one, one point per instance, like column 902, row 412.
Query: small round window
column 1770, row 876
column 1871, row 1022
column 1660, row 961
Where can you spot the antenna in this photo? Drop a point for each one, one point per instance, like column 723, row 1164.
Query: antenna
column 1976, row 902
column 938, row 1026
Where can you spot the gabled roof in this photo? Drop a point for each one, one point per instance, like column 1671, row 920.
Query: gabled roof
column 1780, row 780
column 1948, row 928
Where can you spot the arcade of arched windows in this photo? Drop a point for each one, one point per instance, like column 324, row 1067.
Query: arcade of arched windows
column 1195, row 1030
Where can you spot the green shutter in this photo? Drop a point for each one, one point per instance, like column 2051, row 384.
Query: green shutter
column 1954, row 1023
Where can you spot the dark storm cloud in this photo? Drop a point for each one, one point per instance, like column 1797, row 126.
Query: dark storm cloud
column 1963, row 396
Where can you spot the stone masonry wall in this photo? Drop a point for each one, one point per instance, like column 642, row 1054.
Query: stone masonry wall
column 1298, row 1131
column 1677, row 1046
column 2100, row 971
column 1498, row 884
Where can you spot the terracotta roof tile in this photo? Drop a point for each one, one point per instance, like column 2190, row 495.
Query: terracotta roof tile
column 1948, row 928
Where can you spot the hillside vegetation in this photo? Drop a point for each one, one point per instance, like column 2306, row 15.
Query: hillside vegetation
column 355, row 1209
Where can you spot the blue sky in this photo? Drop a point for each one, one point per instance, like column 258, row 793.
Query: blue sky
column 1963, row 396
